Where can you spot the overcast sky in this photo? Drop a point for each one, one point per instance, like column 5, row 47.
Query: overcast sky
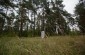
column 70, row 5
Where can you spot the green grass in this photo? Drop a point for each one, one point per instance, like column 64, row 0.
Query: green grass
column 58, row 45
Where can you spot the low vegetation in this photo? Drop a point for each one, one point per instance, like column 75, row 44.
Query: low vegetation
column 58, row 45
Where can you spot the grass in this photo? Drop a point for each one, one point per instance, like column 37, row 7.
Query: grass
column 58, row 45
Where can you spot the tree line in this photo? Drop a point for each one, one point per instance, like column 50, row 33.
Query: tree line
column 33, row 17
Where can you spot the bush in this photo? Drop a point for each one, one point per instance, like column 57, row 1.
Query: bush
column 23, row 34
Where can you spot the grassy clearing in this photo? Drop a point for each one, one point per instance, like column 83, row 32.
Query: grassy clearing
column 58, row 45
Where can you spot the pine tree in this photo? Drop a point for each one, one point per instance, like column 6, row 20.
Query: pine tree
column 80, row 12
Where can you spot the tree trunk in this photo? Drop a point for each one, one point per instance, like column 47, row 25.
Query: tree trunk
column 43, row 27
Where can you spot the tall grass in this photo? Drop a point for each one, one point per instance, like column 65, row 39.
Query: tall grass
column 58, row 45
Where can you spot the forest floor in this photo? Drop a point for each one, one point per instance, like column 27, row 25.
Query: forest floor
column 55, row 45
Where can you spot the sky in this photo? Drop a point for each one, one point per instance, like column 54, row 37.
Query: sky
column 70, row 5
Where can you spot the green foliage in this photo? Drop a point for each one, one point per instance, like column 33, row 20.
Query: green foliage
column 8, row 34
column 74, row 33
column 24, row 34
column 80, row 11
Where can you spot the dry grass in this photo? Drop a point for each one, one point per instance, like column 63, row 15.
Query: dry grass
column 58, row 45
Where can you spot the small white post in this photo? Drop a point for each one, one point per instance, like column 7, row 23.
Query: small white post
column 42, row 34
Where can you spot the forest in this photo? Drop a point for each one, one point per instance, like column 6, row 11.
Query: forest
column 41, row 27
column 36, row 17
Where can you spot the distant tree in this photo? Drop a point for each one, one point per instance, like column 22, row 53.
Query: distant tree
column 2, row 21
column 56, row 23
column 80, row 12
column 4, row 5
